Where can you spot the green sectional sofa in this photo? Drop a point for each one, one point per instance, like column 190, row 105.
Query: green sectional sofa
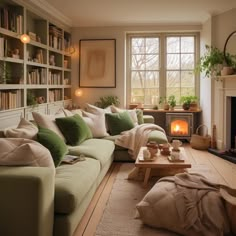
column 35, row 201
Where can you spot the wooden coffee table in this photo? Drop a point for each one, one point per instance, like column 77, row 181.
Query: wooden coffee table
column 160, row 162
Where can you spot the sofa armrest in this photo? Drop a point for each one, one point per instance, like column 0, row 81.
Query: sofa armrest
column 148, row 119
column 26, row 201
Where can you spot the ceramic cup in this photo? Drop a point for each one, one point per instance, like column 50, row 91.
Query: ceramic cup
column 146, row 154
column 176, row 144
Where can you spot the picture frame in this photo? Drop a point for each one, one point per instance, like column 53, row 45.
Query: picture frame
column 97, row 63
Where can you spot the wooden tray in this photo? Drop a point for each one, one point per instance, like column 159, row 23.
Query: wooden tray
column 181, row 159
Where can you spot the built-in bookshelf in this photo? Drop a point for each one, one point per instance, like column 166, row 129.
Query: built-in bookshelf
column 39, row 70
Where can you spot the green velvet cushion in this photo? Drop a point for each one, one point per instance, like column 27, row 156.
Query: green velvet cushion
column 74, row 129
column 53, row 143
column 139, row 113
column 118, row 122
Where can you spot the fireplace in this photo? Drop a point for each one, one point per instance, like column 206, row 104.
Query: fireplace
column 233, row 123
column 179, row 125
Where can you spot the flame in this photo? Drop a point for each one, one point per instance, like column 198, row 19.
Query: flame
column 179, row 128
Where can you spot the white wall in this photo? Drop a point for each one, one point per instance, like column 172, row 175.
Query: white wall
column 222, row 26
column 206, row 83
column 91, row 95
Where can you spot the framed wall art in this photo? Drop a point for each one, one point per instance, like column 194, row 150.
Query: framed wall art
column 97, row 63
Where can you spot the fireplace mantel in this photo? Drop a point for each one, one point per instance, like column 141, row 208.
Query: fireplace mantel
column 225, row 88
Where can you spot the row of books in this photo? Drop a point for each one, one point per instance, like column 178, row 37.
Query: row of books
column 54, row 78
column 55, row 42
column 55, row 95
column 10, row 99
column 11, row 20
column 37, row 76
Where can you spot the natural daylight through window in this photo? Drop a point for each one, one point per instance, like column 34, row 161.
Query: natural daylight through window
column 161, row 65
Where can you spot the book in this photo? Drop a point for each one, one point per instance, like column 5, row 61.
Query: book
column 70, row 159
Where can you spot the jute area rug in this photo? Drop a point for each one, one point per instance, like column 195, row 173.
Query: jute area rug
column 119, row 215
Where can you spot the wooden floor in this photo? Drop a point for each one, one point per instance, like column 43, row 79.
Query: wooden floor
column 220, row 169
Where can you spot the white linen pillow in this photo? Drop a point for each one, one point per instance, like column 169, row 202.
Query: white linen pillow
column 97, row 110
column 48, row 122
column 132, row 113
column 96, row 123
column 24, row 152
column 25, row 129
column 77, row 111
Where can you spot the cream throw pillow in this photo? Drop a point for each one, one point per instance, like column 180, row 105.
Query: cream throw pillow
column 132, row 113
column 25, row 129
column 24, row 152
column 48, row 122
column 97, row 110
column 96, row 123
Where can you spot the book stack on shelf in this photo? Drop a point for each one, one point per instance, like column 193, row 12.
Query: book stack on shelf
column 11, row 20
column 10, row 99
column 55, row 37
column 55, row 95
column 37, row 76
column 54, row 78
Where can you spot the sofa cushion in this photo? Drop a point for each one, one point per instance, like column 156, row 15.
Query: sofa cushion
column 53, row 143
column 74, row 129
column 96, row 123
column 25, row 129
column 139, row 113
column 73, row 182
column 24, row 152
column 48, row 122
column 132, row 113
column 119, row 122
column 98, row 149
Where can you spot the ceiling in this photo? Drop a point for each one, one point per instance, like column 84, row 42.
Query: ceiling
column 85, row 13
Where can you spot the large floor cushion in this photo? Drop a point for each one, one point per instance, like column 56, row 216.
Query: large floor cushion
column 99, row 149
column 73, row 182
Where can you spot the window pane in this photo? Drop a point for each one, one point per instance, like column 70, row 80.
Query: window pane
column 175, row 92
column 187, row 91
column 137, row 95
column 152, row 45
column 152, row 62
column 138, row 79
column 187, row 61
column 173, row 44
column 173, row 61
column 173, row 79
column 149, row 95
column 187, row 79
column 138, row 45
column 138, row 62
column 152, row 79
column 187, row 44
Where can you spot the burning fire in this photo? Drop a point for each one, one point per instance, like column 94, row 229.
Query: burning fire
column 179, row 127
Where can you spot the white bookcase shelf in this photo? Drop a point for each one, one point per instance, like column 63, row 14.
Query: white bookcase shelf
column 28, row 69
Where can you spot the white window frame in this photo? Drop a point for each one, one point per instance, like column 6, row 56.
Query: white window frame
column 162, row 46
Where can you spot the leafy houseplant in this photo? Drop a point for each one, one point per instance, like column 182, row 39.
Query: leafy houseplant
column 172, row 101
column 210, row 62
column 163, row 103
column 187, row 100
column 31, row 99
column 106, row 101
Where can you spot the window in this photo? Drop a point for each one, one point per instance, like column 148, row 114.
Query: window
column 161, row 65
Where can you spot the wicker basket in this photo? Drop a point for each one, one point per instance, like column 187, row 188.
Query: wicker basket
column 200, row 142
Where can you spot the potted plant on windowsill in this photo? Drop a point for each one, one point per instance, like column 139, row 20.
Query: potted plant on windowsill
column 186, row 101
column 172, row 101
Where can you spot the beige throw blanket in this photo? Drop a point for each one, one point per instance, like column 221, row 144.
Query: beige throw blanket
column 137, row 137
column 189, row 204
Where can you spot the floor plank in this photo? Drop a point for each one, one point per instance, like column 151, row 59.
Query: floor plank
column 202, row 161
